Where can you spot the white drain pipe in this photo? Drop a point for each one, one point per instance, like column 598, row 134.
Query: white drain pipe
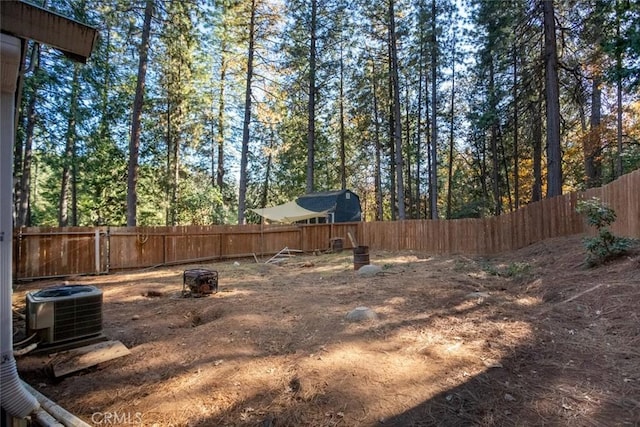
column 58, row 413
column 14, row 398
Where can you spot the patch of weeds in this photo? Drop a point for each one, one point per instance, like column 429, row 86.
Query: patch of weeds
column 518, row 269
column 513, row 270
column 460, row 266
column 489, row 268
column 387, row 266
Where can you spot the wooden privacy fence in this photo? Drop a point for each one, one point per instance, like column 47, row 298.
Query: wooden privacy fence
column 40, row 252
column 53, row 252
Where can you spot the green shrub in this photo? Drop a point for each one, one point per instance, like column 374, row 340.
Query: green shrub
column 605, row 246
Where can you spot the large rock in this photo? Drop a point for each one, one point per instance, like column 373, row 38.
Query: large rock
column 369, row 270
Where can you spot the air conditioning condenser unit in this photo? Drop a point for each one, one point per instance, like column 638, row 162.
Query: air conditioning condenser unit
column 63, row 313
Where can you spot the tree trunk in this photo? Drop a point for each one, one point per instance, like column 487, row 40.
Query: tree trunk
column 138, row 101
column 74, row 183
column 219, row 140
column 69, row 152
column 593, row 141
column 267, row 173
column 392, row 151
column 378, row 171
column 554, row 151
column 434, row 111
column 175, row 158
column 536, row 139
column 505, row 165
column 451, row 130
column 311, row 125
column 343, row 168
column 247, row 119
column 483, row 172
column 392, row 166
column 397, row 134
column 493, row 141
column 516, row 154
column 23, row 217
column 408, row 160
column 19, row 114
column 168, row 190
column 618, row 55
column 219, row 180
column 428, row 144
column 419, row 126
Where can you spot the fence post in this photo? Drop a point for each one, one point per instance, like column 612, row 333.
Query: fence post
column 108, row 250
column 97, row 250
column 164, row 247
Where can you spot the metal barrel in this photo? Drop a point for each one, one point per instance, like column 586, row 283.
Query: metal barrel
column 360, row 256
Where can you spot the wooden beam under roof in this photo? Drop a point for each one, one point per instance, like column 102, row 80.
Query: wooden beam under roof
column 27, row 21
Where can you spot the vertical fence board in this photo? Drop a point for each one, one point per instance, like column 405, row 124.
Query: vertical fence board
column 633, row 204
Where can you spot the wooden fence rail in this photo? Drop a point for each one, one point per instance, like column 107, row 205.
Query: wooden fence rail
column 53, row 252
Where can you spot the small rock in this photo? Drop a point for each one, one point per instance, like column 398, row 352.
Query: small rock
column 135, row 317
column 492, row 364
column 478, row 295
column 369, row 270
column 360, row 314
column 509, row 398
column 236, row 263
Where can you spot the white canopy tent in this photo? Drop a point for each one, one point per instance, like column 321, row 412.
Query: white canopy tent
column 288, row 213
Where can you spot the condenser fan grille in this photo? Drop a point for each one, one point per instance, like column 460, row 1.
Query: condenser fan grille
column 77, row 317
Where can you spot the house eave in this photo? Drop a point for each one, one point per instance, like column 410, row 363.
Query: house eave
column 27, row 21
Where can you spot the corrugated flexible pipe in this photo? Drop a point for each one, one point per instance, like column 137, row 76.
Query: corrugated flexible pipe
column 14, row 398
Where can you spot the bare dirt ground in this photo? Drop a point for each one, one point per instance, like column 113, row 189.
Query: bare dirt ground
column 543, row 341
